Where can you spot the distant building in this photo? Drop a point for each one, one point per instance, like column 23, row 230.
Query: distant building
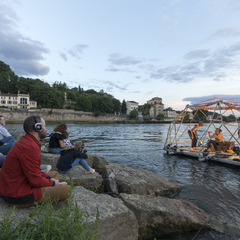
column 157, row 106
column 170, row 113
column 16, row 101
column 131, row 105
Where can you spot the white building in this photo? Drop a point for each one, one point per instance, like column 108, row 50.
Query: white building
column 170, row 113
column 131, row 105
column 16, row 101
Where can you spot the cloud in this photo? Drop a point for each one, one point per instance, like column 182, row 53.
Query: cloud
column 198, row 54
column 21, row 53
column 64, row 56
column 194, row 100
column 116, row 59
column 77, row 50
column 200, row 64
column 225, row 33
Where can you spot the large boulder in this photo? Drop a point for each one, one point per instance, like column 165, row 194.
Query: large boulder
column 79, row 177
column 50, row 159
column 158, row 216
column 136, row 181
column 116, row 221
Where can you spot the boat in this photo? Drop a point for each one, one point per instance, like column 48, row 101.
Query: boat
column 215, row 114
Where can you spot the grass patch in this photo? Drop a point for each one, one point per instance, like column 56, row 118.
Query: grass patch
column 45, row 222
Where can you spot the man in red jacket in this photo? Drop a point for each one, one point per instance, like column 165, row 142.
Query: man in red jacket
column 21, row 180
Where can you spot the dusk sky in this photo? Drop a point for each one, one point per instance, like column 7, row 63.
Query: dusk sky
column 182, row 51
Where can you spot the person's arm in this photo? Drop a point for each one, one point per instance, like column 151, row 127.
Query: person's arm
column 62, row 145
column 30, row 161
column 210, row 135
column 5, row 132
column 81, row 154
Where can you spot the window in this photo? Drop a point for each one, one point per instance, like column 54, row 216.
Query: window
column 23, row 100
column 9, row 102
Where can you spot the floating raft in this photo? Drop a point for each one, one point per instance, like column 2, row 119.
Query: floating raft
column 227, row 158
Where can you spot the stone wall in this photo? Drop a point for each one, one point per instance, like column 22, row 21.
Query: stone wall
column 53, row 115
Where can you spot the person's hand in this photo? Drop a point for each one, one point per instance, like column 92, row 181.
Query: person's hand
column 57, row 183
column 1, row 154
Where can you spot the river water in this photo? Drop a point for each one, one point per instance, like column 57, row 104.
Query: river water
column 213, row 187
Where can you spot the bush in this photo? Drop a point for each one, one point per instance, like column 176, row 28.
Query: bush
column 46, row 223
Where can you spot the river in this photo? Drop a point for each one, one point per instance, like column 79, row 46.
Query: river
column 213, row 187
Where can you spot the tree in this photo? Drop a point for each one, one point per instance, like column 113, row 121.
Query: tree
column 83, row 103
column 117, row 105
column 134, row 114
column 145, row 109
column 160, row 116
column 60, row 86
column 124, row 107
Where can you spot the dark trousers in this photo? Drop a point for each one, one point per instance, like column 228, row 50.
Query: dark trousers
column 194, row 139
column 218, row 146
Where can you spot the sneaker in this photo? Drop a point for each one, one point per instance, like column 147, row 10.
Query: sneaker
column 45, row 168
column 91, row 171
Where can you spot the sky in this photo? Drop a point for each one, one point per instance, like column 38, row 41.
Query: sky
column 182, row 51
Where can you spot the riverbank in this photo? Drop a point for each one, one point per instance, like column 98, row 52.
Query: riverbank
column 132, row 203
column 70, row 116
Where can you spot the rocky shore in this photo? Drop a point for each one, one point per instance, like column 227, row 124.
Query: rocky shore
column 132, row 203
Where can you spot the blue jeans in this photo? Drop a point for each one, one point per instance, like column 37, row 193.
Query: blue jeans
column 55, row 150
column 4, row 149
column 2, row 158
column 80, row 161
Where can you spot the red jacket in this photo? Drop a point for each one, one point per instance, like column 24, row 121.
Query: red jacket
column 21, row 177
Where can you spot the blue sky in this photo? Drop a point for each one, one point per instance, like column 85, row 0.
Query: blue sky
column 180, row 50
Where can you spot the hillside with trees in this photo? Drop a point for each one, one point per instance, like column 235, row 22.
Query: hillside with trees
column 48, row 96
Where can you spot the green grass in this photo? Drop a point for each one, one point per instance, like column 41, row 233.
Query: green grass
column 45, row 222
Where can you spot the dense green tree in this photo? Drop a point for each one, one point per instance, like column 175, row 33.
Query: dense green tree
column 145, row 109
column 60, row 86
column 83, row 103
column 117, row 105
column 124, row 107
column 53, row 96
column 134, row 114
column 160, row 116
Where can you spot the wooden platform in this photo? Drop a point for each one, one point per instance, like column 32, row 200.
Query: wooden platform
column 202, row 155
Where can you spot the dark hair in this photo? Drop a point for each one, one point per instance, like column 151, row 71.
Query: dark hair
column 65, row 135
column 29, row 123
column 61, row 128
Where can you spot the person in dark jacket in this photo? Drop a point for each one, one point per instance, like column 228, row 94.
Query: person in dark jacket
column 71, row 156
column 56, row 139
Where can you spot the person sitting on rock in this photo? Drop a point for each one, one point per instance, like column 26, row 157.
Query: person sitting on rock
column 71, row 156
column 218, row 142
column 66, row 141
column 21, row 180
column 5, row 137
column 56, row 139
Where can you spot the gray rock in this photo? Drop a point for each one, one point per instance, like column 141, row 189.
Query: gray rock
column 50, row 158
column 116, row 221
column 111, row 184
column 80, row 178
column 97, row 162
column 159, row 215
column 136, row 181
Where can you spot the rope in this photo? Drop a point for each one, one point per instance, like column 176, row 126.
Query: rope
column 200, row 229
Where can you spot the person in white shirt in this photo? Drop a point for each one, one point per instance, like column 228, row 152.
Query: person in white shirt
column 5, row 137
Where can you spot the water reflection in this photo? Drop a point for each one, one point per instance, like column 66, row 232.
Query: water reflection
column 213, row 187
